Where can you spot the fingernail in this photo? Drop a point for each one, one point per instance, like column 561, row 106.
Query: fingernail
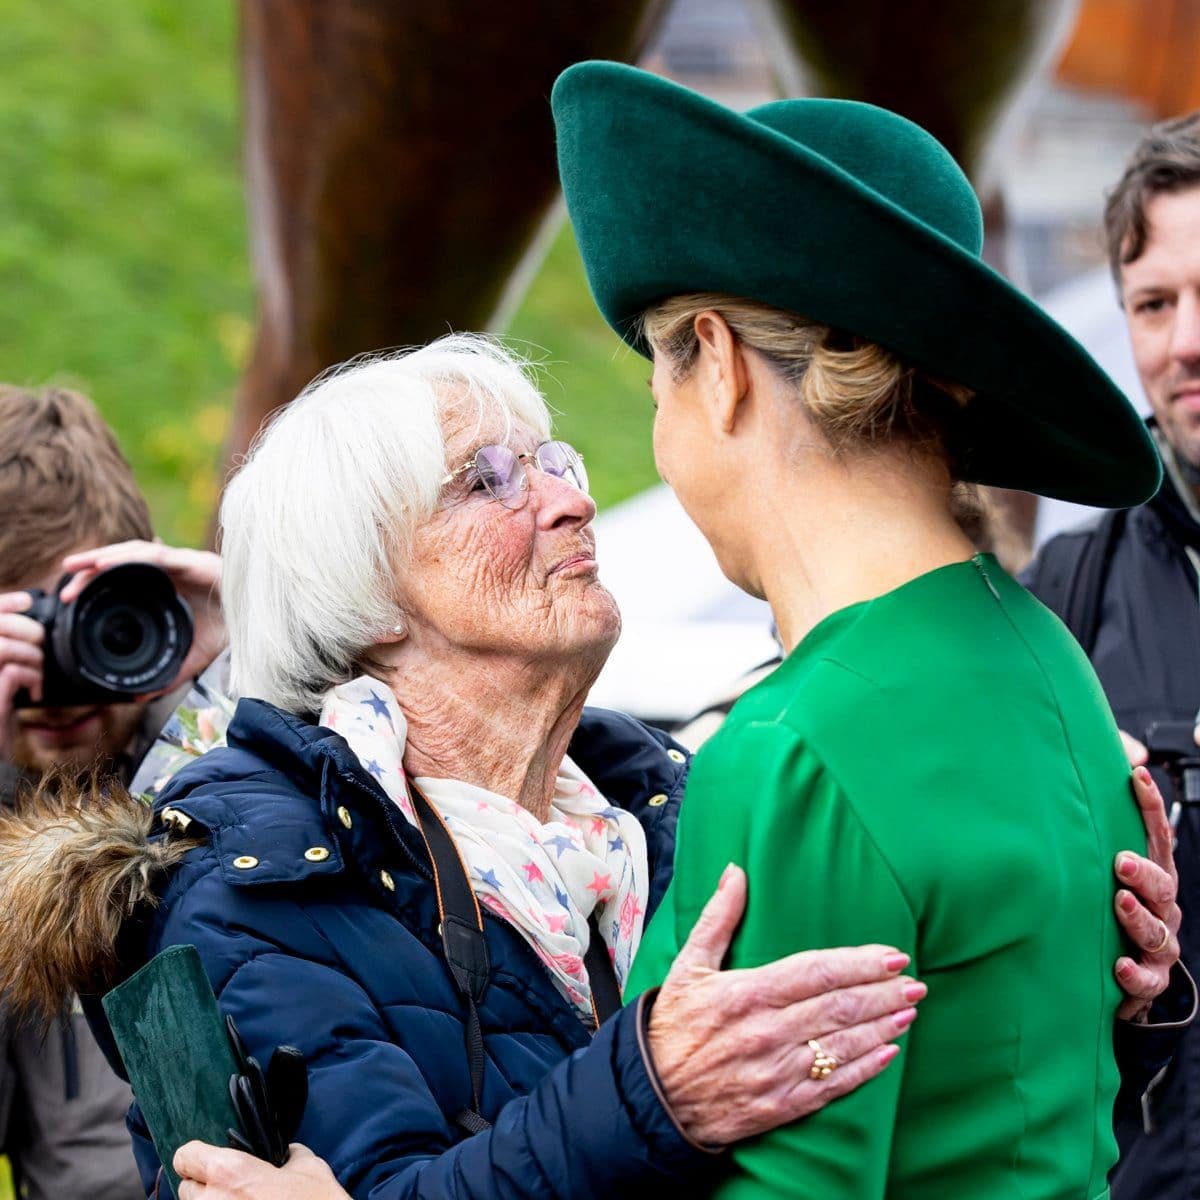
column 1124, row 971
column 887, row 1053
column 1127, row 867
column 895, row 962
column 724, row 876
column 1142, row 774
column 1128, row 903
column 905, row 1017
column 915, row 990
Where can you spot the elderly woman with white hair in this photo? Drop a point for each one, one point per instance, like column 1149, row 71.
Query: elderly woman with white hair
column 397, row 867
column 423, row 863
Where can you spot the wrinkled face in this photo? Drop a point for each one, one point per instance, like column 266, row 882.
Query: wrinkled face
column 74, row 738
column 1160, row 293
column 516, row 582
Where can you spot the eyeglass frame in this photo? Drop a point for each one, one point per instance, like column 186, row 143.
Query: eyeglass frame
column 522, row 459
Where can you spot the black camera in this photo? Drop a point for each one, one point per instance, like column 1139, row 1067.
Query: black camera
column 1172, row 746
column 126, row 634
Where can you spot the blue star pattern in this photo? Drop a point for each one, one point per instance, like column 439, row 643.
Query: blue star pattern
column 616, row 843
column 562, row 897
column 378, row 704
column 560, row 843
column 375, row 769
column 489, row 877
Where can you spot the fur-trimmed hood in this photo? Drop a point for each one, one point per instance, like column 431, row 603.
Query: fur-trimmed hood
column 75, row 862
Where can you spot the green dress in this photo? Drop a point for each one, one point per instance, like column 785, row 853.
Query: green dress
column 935, row 769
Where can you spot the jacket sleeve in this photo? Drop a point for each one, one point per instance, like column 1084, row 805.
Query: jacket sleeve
column 592, row 1128
column 1144, row 1050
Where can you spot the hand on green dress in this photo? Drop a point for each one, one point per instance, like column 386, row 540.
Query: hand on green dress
column 732, row 1047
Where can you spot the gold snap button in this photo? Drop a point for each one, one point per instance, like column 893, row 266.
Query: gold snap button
column 345, row 817
column 316, row 854
column 676, row 755
column 245, row 862
column 387, row 881
column 176, row 819
column 659, row 800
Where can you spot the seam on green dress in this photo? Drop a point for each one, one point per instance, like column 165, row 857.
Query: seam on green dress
column 804, row 743
column 1084, row 791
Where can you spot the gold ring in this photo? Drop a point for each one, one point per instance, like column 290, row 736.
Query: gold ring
column 1166, row 937
column 824, row 1064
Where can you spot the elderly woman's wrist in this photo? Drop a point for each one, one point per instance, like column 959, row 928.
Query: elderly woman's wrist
column 645, row 1005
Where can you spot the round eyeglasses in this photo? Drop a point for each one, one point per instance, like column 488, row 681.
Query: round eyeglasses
column 503, row 474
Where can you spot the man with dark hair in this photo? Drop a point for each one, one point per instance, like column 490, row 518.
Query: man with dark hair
column 71, row 507
column 1128, row 583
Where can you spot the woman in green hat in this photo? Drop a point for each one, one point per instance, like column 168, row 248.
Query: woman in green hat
column 834, row 369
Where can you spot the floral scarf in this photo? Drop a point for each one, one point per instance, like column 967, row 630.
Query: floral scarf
column 545, row 880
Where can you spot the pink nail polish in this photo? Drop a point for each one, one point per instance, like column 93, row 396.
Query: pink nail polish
column 915, row 990
column 1128, row 867
column 895, row 962
column 1128, row 903
column 887, row 1053
column 905, row 1017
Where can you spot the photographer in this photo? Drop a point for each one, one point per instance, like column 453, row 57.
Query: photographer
column 66, row 489
column 1126, row 584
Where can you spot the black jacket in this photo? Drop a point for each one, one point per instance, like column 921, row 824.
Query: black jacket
column 1133, row 572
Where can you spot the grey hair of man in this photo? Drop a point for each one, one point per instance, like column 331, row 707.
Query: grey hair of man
column 315, row 523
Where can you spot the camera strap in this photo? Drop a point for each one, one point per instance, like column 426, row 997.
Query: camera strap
column 463, row 941
column 465, row 948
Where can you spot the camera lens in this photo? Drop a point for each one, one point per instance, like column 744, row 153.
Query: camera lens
column 127, row 633
column 123, row 633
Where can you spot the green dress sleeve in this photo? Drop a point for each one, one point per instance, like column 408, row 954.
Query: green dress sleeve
column 760, row 797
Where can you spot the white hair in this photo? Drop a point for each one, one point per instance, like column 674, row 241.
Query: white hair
column 315, row 523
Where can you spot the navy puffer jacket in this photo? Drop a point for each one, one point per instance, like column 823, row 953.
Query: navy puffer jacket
column 341, row 957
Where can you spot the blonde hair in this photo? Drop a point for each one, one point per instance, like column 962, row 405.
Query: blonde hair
column 859, row 395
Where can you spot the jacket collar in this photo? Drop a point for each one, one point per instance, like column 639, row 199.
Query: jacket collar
column 281, row 790
column 1173, row 504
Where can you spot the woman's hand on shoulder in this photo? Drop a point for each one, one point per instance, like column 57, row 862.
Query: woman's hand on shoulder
column 1147, row 905
column 215, row 1173
column 731, row 1048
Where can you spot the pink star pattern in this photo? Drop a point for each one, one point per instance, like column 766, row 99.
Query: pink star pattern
column 601, row 884
column 533, row 873
column 631, row 909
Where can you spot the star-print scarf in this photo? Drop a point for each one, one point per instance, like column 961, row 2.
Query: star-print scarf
column 545, row 880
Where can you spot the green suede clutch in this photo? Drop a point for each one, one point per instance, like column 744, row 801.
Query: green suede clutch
column 176, row 1053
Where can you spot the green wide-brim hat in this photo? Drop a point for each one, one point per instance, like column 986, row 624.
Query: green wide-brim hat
column 853, row 217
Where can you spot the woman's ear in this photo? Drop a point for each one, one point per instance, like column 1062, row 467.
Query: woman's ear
column 723, row 361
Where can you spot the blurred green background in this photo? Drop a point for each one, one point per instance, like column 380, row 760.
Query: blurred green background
column 123, row 260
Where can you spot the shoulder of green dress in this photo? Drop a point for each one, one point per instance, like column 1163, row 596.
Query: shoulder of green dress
column 801, row 697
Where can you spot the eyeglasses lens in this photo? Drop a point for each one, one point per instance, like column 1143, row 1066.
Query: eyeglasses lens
column 563, row 462
column 501, row 472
